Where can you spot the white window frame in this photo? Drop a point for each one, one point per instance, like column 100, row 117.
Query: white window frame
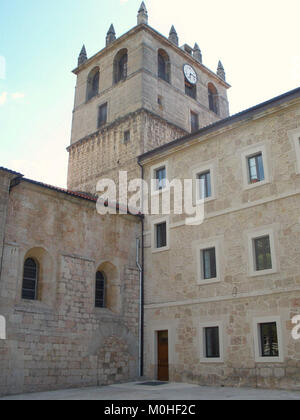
column 294, row 136
column 201, row 246
column 154, row 190
column 255, row 234
column 154, row 223
column 205, row 167
column 203, row 358
column 248, row 153
column 257, row 340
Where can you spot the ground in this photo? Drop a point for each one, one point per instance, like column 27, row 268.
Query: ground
column 170, row 391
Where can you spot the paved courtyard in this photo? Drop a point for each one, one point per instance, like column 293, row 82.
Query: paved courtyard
column 170, row 391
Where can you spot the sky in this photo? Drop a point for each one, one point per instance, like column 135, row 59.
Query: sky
column 40, row 40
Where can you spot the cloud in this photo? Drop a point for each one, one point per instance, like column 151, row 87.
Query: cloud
column 18, row 95
column 3, row 98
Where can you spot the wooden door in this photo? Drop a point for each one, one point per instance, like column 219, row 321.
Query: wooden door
column 163, row 355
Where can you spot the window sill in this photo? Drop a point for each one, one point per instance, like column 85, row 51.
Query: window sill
column 203, row 282
column 212, row 360
column 263, row 273
column 269, row 360
column 256, row 184
column 157, row 250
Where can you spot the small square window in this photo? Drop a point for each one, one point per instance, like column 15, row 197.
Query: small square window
column 204, row 185
column 209, row 266
column 127, row 136
column 102, row 115
column 160, row 177
column 256, row 168
column 212, row 342
column 161, row 235
column 269, row 339
column 263, row 258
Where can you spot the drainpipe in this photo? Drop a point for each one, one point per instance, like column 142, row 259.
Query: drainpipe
column 140, row 245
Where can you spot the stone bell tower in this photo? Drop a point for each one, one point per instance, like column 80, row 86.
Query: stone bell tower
column 139, row 92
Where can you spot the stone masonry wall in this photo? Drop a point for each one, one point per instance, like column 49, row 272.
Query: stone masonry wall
column 61, row 340
column 238, row 296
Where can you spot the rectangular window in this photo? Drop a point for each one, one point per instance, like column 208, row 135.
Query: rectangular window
column 212, row 342
column 102, row 116
column 263, row 258
column 269, row 340
column 204, row 185
column 161, row 235
column 127, row 136
column 190, row 90
column 209, row 263
column 256, row 168
column 160, row 176
column 194, row 122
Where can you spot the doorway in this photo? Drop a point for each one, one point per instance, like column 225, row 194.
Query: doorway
column 163, row 355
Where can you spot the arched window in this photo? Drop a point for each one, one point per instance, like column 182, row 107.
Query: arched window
column 213, row 98
column 100, row 298
column 93, row 83
column 163, row 66
column 30, row 280
column 120, row 66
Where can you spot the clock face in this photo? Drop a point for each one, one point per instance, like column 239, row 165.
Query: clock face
column 190, row 74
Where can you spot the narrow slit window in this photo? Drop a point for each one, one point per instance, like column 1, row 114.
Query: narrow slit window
column 30, row 280
column 102, row 116
column 100, row 290
column 194, row 122
column 161, row 235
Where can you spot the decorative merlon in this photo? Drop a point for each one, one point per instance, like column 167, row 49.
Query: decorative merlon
column 82, row 56
column 173, row 37
column 142, row 17
column 197, row 53
column 221, row 72
column 111, row 35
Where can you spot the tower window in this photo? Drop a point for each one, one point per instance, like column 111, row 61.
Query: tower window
column 30, row 280
column 194, row 122
column 102, row 116
column 120, row 66
column 213, row 98
column 126, row 136
column 163, row 66
column 93, row 84
column 190, row 90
